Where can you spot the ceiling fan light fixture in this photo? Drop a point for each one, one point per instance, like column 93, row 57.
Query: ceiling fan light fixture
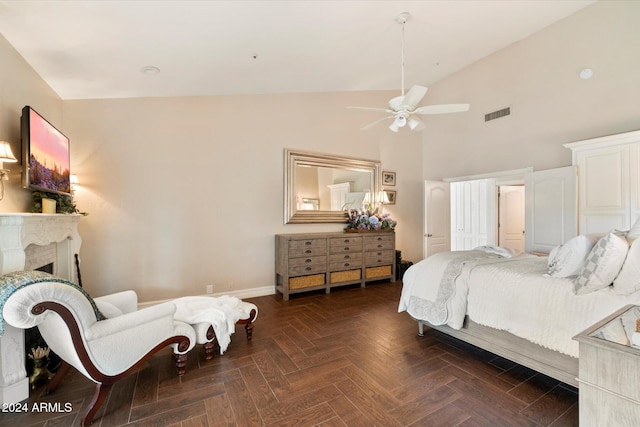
column 400, row 121
column 413, row 123
column 393, row 126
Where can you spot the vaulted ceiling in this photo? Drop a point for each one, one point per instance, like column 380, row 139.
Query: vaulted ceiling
column 99, row 49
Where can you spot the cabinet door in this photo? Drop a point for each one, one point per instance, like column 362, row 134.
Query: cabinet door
column 604, row 190
column 551, row 216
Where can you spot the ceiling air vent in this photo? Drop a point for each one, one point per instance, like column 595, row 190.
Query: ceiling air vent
column 497, row 114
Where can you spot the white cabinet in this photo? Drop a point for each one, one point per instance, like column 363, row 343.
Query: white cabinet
column 608, row 176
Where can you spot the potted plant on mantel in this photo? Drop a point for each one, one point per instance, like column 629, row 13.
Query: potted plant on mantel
column 367, row 221
column 64, row 204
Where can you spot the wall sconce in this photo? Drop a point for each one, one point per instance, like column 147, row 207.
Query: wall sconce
column 73, row 180
column 5, row 156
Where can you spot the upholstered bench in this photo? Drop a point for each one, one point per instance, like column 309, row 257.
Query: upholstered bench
column 214, row 319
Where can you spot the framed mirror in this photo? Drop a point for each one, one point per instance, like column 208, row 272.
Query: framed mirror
column 322, row 187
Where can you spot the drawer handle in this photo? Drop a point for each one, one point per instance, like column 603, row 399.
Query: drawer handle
column 346, row 240
column 308, row 251
column 379, row 260
column 308, row 260
column 346, row 264
column 347, row 256
column 379, row 253
column 379, row 238
column 307, row 269
column 346, row 248
column 307, row 243
column 379, row 246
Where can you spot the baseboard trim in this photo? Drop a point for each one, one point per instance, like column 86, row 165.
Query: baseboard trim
column 242, row 293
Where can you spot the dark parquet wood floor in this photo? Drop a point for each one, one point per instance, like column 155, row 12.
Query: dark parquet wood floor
column 343, row 359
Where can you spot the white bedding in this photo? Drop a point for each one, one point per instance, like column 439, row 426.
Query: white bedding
column 435, row 289
column 515, row 295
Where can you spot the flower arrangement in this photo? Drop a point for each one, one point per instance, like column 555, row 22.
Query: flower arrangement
column 369, row 220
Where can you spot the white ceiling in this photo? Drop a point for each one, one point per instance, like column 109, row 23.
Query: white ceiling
column 96, row 49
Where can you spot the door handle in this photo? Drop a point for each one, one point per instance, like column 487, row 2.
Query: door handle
column 429, row 235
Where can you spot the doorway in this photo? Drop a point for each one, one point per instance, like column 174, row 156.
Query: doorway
column 511, row 217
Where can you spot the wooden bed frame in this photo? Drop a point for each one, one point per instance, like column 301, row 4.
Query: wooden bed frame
column 552, row 363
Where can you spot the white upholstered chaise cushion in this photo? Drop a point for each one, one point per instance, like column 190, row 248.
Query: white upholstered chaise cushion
column 113, row 344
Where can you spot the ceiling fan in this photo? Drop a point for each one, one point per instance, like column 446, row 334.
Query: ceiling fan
column 404, row 109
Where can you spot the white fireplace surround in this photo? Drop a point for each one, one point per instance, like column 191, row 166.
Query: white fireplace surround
column 17, row 232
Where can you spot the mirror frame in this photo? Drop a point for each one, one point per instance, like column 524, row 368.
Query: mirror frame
column 293, row 158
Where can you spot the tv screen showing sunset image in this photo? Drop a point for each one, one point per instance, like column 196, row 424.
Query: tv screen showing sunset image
column 48, row 157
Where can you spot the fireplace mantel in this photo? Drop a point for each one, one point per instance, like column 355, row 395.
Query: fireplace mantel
column 17, row 231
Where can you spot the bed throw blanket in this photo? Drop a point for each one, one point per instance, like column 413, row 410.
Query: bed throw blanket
column 222, row 312
column 436, row 288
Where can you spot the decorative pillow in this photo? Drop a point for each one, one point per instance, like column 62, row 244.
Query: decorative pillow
column 634, row 233
column 109, row 310
column 567, row 260
column 602, row 264
column 628, row 280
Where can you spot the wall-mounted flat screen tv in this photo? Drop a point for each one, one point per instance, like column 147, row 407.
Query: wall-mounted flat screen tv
column 45, row 155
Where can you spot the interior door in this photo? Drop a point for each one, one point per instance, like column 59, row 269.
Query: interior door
column 551, row 208
column 437, row 217
column 511, row 221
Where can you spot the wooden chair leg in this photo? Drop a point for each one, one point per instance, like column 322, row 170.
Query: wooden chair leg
column 102, row 391
column 248, row 324
column 57, row 378
column 210, row 345
column 181, row 363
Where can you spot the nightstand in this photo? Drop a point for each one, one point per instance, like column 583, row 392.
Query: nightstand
column 609, row 374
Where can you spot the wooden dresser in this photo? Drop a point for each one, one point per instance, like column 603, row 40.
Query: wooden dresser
column 310, row 261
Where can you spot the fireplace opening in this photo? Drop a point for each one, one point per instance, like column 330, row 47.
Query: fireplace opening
column 48, row 268
column 33, row 339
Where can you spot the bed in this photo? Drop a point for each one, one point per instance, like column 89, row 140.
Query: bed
column 526, row 308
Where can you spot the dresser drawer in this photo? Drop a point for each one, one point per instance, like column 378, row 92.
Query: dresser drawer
column 308, row 243
column 346, row 245
column 307, row 247
column 379, row 257
column 379, row 242
column 310, row 260
column 304, row 269
column 353, row 241
column 345, row 261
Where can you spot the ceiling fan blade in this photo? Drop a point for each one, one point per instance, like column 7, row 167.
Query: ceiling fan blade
column 416, row 124
column 413, row 97
column 372, row 108
column 395, row 103
column 370, row 125
column 442, row 109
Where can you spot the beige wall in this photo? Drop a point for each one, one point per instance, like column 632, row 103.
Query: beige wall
column 20, row 85
column 187, row 192
column 550, row 105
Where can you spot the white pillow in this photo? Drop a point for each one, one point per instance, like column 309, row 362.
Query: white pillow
column 602, row 264
column 567, row 260
column 628, row 280
column 634, row 233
